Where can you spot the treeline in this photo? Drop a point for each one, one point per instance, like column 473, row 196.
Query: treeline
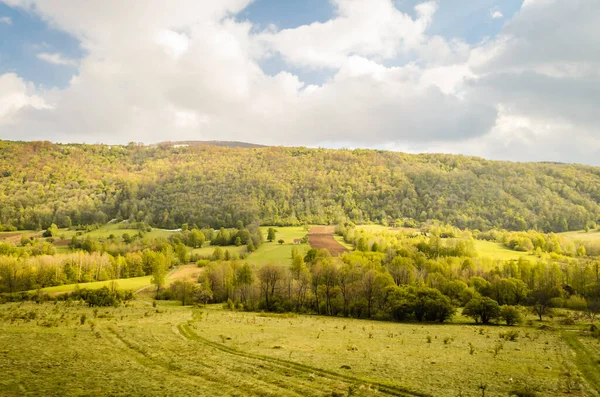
column 369, row 285
column 166, row 186
column 404, row 276
column 100, row 297
column 34, row 264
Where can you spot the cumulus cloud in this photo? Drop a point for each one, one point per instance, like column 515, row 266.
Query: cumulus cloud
column 190, row 70
column 16, row 95
column 367, row 28
column 195, row 74
column 545, row 73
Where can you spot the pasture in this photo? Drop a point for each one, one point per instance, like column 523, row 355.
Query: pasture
column 275, row 253
column 185, row 272
column 137, row 349
column 497, row 251
column 582, row 235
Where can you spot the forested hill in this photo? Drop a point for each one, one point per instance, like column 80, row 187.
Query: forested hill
column 43, row 183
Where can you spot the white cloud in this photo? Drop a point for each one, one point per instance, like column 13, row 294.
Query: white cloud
column 16, row 95
column 56, row 59
column 191, row 71
column 6, row 20
column 496, row 14
column 374, row 28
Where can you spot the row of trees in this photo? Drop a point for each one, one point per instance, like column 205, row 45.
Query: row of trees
column 362, row 285
column 30, row 273
column 43, row 184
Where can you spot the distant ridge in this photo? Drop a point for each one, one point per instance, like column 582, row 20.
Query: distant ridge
column 227, row 144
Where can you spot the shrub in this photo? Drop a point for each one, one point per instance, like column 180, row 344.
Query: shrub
column 511, row 315
column 101, row 297
column 511, row 335
column 202, row 262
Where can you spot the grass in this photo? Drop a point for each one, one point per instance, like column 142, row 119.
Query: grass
column 118, row 230
column 133, row 283
column 399, row 353
column 340, row 239
column 492, row 250
column 586, row 357
column 46, row 350
column 138, row 350
column 581, row 235
column 275, row 253
column 207, row 250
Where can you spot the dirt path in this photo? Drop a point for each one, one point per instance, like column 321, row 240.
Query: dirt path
column 322, row 237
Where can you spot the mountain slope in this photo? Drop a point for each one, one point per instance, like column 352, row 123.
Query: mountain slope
column 166, row 185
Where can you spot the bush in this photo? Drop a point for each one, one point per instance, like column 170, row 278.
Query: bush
column 511, row 315
column 202, row 262
column 482, row 309
column 511, row 335
column 101, row 297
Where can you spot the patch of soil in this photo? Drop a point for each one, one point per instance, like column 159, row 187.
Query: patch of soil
column 322, row 237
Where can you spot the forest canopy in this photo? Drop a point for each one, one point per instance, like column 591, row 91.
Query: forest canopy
column 207, row 186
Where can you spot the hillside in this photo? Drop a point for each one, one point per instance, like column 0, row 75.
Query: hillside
column 229, row 144
column 166, row 185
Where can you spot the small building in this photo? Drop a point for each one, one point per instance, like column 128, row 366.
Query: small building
column 297, row 241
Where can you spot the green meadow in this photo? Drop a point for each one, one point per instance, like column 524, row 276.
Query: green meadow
column 69, row 349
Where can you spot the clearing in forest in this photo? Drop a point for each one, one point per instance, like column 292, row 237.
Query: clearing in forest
column 322, row 237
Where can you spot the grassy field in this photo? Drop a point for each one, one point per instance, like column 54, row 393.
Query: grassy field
column 340, row 239
column 492, row 250
column 275, row 253
column 188, row 272
column 133, row 283
column 117, row 229
column 172, row 350
column 581, row 235
column 207, row 250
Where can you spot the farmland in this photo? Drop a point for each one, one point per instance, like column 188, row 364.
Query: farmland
column 289, row 318
column 174, row 350
column 322, row 237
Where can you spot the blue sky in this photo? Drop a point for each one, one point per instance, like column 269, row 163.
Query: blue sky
column 28, row 35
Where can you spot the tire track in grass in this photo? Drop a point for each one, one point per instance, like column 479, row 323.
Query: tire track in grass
column 587, row 363
column 382, row 387
column 219, row 375
column 145, row 359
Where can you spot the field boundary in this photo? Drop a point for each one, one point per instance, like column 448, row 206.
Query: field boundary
column 386, row 388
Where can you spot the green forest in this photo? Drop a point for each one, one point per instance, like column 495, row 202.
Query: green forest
column 168, row 185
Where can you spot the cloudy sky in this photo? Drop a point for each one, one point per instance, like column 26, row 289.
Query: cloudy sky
column 501, row 79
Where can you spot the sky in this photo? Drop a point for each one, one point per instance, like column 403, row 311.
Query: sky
column 512, row 80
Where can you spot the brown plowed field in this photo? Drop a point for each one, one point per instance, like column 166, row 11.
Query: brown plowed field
column 322, row 237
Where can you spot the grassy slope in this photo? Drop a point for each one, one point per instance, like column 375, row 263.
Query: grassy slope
column 581, row 235
column 134, row 283
column 207, row 250
column 275, row 253
column 139, row 349
column 492, row 250
column 586, row 357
